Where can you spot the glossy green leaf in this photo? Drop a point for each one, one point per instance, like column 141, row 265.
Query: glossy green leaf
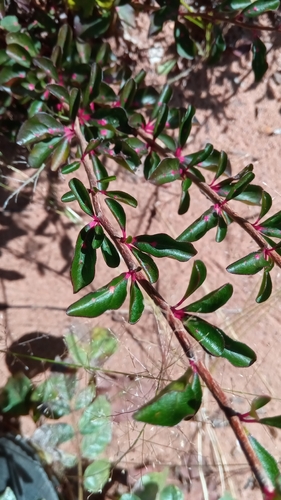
column 151, row 162
column 10, row 23
column 96, row 475
column 259, row 62
column 169, row 142
column 184, row 203
column 222, row 165
column 274, row 223
column 118, row 211
column 266, row 202
column 110, row 253
column 200, row 227
column 197, row 278
column 14, row 396
column 122, row 197
column 60, row 154
column 128, row 93
column 92, row 145
column 53, row 396
column 166, row 67
column 68, row 197
column 136, row 306
column 85, row 397
column 74, row 103
column 171, row 492
column 265, row 288
column 145, row 97
column 271, row 421
column 163, row 98
column 215, row 161
column 239, row 4
column 161, row 119
column 37, row 128
column 95, row 416
column 19, row 54
column 268, row 463
column 166, row 171
column 186, row 47
column 257, row 403
column 212, row 301
column 84, row 261
column 209, row 336
column 93, row 87
column 162, row 245
column 240, row 186
column 71, row 167
column 82, row 196
column 110, row 296
column 147, row 264
column 185, row 126
column 174, row 403
column 42, row 151
column 251, row 264
column 22, row 39
column 221, row 230
column 237, row 353
column 251, row 195
column 199, row 157
column 46, row 65
column 58, row 91
column 260, row 7
column 100, row 172
column 136, row 120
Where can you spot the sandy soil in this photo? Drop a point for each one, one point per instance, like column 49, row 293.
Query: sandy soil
column 37, row 247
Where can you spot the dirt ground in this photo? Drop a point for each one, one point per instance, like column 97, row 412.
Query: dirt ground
column 244, row 120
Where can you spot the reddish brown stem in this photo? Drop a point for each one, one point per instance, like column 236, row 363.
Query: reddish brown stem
column 175, row 324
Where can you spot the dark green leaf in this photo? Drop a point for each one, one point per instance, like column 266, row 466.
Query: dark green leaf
column 273, row 222
column 222, row 164
column 46, row 65
column 84, row 261
column 221, row 230
column 19, row 54
column 109, row 253
column 163, row 98
column 128, row 93
column 150, row 163
column 10, row 23
column 39, row 127
column 136, row 306
column 110, row 296
column 209, row 336
column 148, row 265
column 122, row 197
column 240, row 186
column 96, row 28
column 81, row 195
column 96, row 475
column 214, row 161
column 68, row 197
column 200, row 227
column 251, row 195
column 166, row 171
column 197, row 278
column 58, row 91
column 71, row 167
column 267, row 461
column 251, row 264
column 161, row 120
column 212, row 301
column 106, row 94
column 265, row 288
column 259, row 63
column 185, row 126
column 64, row 39
column 98, row 237
column 100, row 172
column 169, row 142
column 218, row 45
column 186, row 47
column 93, row 86
column 237, row 353
column 42, row 151
column 60, row 154
column 74, row 103
column 271, row 421
column 162, row 245
column 136, row 120
column 145, row 97
column 171, row 492
column 140, row 76
column 266, row 202
column 15, row 395
column 260, row 7
column 199, row 157
column 118, row 212
column 92, row 145
column 24, row 40
column 184, row 203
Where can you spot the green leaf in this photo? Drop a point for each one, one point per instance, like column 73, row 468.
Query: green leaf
column 266, row 202
column 125, row 496
column 10, row 23
column 218, row 45
column 164, row 98
column 103, row 344
column 166, row 171
column 258, row 403
column 212, row 301
column 251, row 264
column 260, row 7
column 166, row 67
column 84, row 261
column 85, row 397
column 222, row 165
column 71, row 167
column 96, row 475
column 209, row 336
column 197, row 278
column 122, row 197
column 199, row 157
column 213, row 162
column 200, row 227
column 100, row 172
column 95, row 443
column 110, row 296
column 268, row 463
column 94, row 84
column 240, row 4
column 14, row 396
column 251, row 195
column 81, row 195
column 58, row 91
column 271, row 421
column 221, row 230
column 259, row 63
column 55, row 434
column 53, row 396
column 148, row 486
column 174, row 403
column 110, row 253
column 162, row 245
column 136, row 306
column 186, row 47
column 169, row 142
column 19, row 54
column 184, row 202
column 150, row 163
column 42, row 151
column 46, row 65
column 68, row 197
column 24, row 40
column 74, row 103
column 95, row 416
column 118, row 211
column 77, row 350
column 60, row 154
column 147, row 264
column 136, row 120
column 39, row 127
column 237, row 353
column 128, row 93
column 265, row 288
column 161, row 119
column 171, row 492
column 240, row 186
column 185, row 126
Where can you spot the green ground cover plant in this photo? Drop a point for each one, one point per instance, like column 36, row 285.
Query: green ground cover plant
column 74, row 107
